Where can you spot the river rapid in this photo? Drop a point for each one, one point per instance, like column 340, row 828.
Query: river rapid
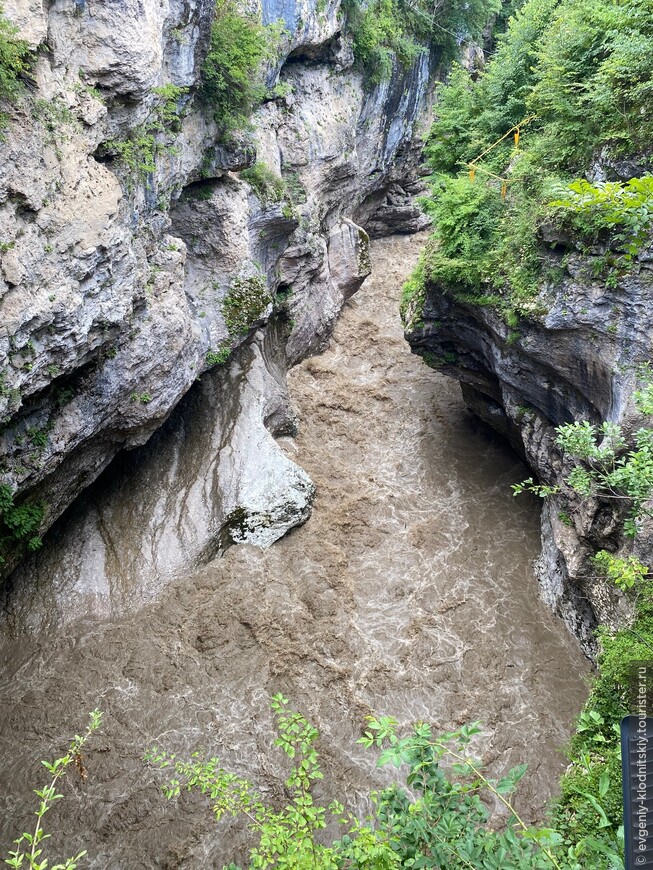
column 409, row 592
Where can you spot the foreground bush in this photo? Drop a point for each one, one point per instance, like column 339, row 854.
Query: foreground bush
column 439, row 819
column 29, row 853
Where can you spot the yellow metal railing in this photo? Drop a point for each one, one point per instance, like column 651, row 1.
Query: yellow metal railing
column 474, row 167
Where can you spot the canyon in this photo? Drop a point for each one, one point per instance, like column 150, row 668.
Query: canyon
column 245, row 481
column 409, row 592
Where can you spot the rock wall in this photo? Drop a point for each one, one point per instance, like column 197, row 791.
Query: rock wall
column 573, row 356
column 115, row 282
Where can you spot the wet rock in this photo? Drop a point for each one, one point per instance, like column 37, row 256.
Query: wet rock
column 398, row 213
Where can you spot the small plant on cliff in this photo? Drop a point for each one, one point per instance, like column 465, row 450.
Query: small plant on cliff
column 19, row 524
column 218, row 357
column 232, row 84
column 139, row 150
column 15, row 58
column 380, row 36
column 267, row 185
column 29, row 851
column 602, row 464
column 167, row 113
column 245, row 302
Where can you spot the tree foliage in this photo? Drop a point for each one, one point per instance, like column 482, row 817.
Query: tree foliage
column 438, row 819
column 388, row 31
column 569, row 81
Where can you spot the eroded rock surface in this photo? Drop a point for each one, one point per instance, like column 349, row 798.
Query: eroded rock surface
column 113, row 279
column 573, row 356
column 409, row 592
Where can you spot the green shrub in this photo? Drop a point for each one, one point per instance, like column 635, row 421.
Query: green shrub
column 267, row 185
column 413, row 294
column 138, row 152
column 595, row 80
column 625, row 572
column 218, row 357
column 590, row 802
column 15, row 59
column 623, row 209
column 244, row 304
column 607, row 468
column 232, row 84
column 466, row 217
column 383, row 31
column 30, row 846
column 379, row 36
column 474, row 112
column 576, row 78
column 167, row 113
column 19, row 524
column 440, row 821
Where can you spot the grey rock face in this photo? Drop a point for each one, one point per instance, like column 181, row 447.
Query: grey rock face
column 115, row 284
column 573, row 357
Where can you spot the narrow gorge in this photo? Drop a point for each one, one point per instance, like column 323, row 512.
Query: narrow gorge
column 246, row 251
column 409, row 591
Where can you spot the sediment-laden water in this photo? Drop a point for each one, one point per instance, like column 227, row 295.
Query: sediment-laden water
column 409, row 592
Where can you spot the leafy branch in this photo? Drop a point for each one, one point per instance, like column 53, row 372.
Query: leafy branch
column 603, row 465
column 29, row 846
column 626, row 209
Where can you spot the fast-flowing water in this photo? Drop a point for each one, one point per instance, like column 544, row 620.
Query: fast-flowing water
column 409, row 592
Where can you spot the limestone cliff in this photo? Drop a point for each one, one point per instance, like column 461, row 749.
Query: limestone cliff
column 120, row 284
column 574, row 356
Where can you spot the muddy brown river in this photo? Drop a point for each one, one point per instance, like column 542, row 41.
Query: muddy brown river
column 409, row 592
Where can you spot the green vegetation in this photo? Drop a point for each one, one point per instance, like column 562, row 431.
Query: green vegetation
column 29, row 851
column 200, row 190
column 15, row 59
column 440, row 821
column 568, row 81
column 385, row 31
column 218, row 357
column 139, row 151
column 295, row 188
column 232, row 83
column 625, row 210
column 267, row 185
column 590, row 804
column 244, row 304
column 167, row 115
column 19, row 524
column 626, row 573
column 604, row 466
